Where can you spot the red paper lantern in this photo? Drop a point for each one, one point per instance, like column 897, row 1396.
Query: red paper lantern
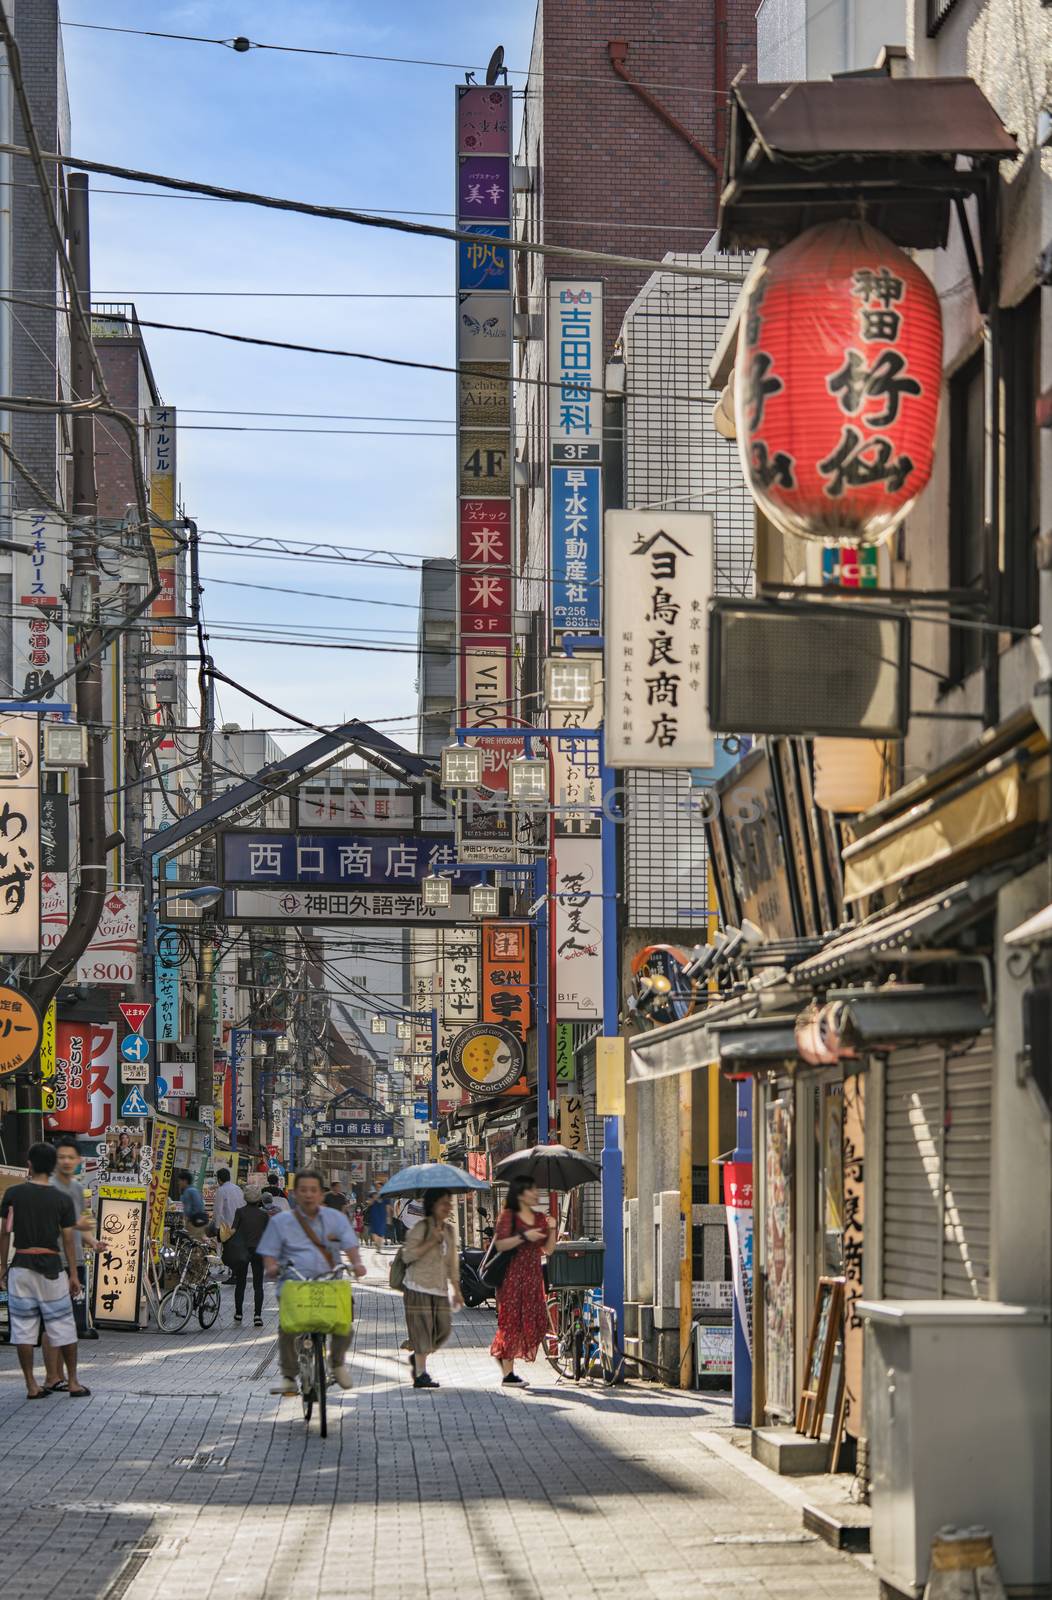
column 838, row 374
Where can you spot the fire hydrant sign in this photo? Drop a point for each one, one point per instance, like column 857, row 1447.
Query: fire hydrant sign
column 657, row 584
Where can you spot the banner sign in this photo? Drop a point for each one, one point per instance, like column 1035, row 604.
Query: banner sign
column 578, row 777
column 54, row 908
column 460, row 975
column 484, row 265
column 166, row 985
column 54, row 832
column 506, row 976
column 300, row 859
column 484, row 327
column 658, row 583
column 85, row 1080
column 737, row 1189
column 162, row 503
column 112, row 957
column 571, row 1122
column 116, row 1289
column 20, row 841
column 486, row 699
column 47, row 1058
column 355, row 1128
column 162, row 1147
column 39, row 627
column 579, row 930
column 565, row 1065
column 484, row 119
column 576, row 544
column 576, row 369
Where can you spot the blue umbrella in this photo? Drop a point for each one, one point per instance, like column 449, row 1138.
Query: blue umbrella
column 433, row 1175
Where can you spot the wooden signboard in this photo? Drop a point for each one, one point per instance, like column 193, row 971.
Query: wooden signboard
column 826, row 1319
column 116, row 1289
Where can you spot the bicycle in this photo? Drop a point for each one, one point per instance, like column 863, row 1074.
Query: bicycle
column 312, row 1372
column 572, row 1344
column 195, row 1290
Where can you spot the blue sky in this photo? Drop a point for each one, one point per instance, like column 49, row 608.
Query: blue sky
column 360, row 134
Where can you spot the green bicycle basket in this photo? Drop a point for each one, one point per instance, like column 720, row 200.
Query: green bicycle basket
column 316, row 1307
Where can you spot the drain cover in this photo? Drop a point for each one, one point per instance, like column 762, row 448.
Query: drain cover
column 200, row 1460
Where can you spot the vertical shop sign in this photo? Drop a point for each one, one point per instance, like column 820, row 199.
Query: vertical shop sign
column 576, row 523
column 20, row 841
column 112, row 957
column 116, row 1289
column 778, row 1258
column 565, row 1068
column 47, row 1059
column 39, row 576
column 657, row 576
column 85, row 1079
column 166, row 985
column 571, row 1122
column 579, row 930
column 575, row 369
column 460, row 975
column 162, row 1146
column 54, row 908
column 162, row 504
column 506, row 975
column 737, row 1190
column 854, row 1136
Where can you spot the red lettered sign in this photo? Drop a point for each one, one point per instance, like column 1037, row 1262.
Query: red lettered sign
column 135, row 1013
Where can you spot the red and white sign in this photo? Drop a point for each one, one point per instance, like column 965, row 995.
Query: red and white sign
column 181, row 1078
column 838, row 375
column 737, row 1184
column 135, row 1013
column 54, row 908
column 112, row 957
column 85, row 1082
column 485, row 700
column 485, row 533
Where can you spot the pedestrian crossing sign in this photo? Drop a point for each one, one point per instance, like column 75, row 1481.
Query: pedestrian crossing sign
column 135, row 1105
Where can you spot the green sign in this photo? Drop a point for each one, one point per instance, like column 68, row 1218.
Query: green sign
column 564, row 1056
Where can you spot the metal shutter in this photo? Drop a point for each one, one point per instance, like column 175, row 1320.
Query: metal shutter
column 937, row 1140
column 966, row 1173
column 591, row 1195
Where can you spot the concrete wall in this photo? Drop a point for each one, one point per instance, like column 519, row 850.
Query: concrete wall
column 819, row 38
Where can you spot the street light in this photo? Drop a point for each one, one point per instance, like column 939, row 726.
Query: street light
column 462, row 766
column 65, row 744
column 8, row 756
column 528, row 779
column 484, row 900
column 569, row 684
column 436, row 891
column 405, row 1029
column 378, row 1025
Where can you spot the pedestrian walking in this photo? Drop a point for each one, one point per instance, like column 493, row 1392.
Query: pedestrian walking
column 522, row 1310
column 64, row 1179
column 376, row 1217
column 250, row 1224
column 195, row 1217
column 310, row 1241
column 431, row 1283
column 41, row 1222
column 335, row 1196
column 279, row 1200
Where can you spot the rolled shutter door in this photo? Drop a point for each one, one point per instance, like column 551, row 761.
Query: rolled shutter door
column 966, row 1173
column 913, row 1137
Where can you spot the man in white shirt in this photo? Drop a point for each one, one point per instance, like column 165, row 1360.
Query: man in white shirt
column 228, row 1199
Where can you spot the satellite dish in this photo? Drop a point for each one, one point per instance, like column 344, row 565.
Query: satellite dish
column 496, row 66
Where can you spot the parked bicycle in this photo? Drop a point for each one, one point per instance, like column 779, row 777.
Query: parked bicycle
column 196, row 1287
column 572, row 1344
column 312, row 1371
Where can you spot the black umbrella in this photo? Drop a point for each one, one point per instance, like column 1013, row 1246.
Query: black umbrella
column 551, row 1166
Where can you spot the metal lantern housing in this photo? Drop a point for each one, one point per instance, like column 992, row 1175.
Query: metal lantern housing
column 528, row 779
column 569, row 684
column 462, row 766
column 436, row 892
column 405, row 1029
column 837, row 380
column 378, row 1024
column 8, row 756
column 65, row 744
column 484, row 900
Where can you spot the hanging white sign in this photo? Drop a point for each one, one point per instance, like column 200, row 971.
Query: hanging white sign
column 39, row 573
column 579, row 930
column 658, row 583
column 20, row 841
column 460, row 975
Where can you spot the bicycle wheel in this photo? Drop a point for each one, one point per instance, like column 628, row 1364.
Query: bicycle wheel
column 567, row 1335
column 208, row 1305
column 320, row 1382
column 305, row 1364
column 175, row 1309
column 551, row 1336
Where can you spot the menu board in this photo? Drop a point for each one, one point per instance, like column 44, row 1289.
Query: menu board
column 116, row 1288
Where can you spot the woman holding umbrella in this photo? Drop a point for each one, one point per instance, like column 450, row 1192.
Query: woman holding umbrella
column 432, row 1280
column 522, row 1313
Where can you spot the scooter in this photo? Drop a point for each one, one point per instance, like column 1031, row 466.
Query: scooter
column 472, row 1287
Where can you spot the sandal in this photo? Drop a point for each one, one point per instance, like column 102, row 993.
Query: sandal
column 79, row 1394
column 41, row 1394
column 61, row 1387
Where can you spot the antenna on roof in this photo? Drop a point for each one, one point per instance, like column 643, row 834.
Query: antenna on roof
column 496, row 68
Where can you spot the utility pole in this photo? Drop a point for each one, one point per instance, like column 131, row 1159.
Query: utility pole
column 204, row 1021
column 84, row 616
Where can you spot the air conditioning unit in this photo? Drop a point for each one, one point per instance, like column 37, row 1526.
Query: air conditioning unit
column 797, row 667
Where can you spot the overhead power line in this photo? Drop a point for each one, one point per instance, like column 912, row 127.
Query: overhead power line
column 365, row 219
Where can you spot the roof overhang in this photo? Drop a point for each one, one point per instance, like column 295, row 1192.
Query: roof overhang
column 905, row 149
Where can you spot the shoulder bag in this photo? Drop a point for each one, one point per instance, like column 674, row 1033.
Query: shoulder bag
column 493, row 1268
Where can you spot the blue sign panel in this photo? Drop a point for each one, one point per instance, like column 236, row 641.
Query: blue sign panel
column 135, row 1105
column 576, row 549
column 134, row 1047
column 421, row 1110
column 355, row 1128
column 166, row 985
column 483, row 266
column 306, row 859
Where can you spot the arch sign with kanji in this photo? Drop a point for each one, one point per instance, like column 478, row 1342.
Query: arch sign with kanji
column 19, row 1029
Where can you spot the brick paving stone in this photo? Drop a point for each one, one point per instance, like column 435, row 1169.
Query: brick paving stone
column 468, row 1491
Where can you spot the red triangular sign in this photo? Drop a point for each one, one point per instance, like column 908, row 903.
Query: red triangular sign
column 135, row 1013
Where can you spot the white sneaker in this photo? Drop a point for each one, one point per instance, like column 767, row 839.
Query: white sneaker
column 343, row 1377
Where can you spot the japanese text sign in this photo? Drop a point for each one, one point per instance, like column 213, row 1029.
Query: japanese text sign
column 251, row 857
column 85, row 1080
column 166, row 982
column 579, row 930
column 484, row 188
column 658, row 582
column 482, row 264
column 575, row 362
column 460, row 975
column 355, row 1128
column 38, row 576
column 117, row 1279
column 576, row 525
column 483, row 119
column 506, row 975
column 20, row 841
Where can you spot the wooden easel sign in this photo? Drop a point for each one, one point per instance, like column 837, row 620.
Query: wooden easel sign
column 826, row 1319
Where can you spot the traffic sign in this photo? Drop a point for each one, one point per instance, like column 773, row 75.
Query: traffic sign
column 162, row 1088
column 135, row 1048
column 135, row 1105
column 135, row 1013
column 19, row 1029
column 135, row 1072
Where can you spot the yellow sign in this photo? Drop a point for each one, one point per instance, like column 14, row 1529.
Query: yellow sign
column 610, row 1077
column 434, row 1145
column 47, row 1059
column 163, row 1145
column 571, row 1122
column 19, row 1029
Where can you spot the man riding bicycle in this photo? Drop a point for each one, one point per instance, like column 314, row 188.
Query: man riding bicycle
column 309, row 1242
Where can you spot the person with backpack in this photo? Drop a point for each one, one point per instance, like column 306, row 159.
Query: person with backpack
column 430, row 1282
column 249, row 1226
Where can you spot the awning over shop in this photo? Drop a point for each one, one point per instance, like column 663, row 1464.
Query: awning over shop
column 896, row 1013
column 801, row 153
column 755, row 1039
column 986, row 809
column 893, row 934
column 751, row 1027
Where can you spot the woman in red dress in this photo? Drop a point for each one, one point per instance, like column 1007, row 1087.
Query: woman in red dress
column 522, row 1312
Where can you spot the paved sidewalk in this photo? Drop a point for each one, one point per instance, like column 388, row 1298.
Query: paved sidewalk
column 183, row 1476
